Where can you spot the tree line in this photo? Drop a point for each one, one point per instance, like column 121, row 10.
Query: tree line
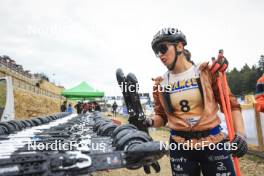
column 242, row 82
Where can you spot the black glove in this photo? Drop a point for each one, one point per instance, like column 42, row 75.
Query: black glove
column 154, row 165
column 139, row 148
column 146, row 154
column 240, row 143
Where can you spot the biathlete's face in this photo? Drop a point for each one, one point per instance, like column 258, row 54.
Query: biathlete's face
column 166, row 53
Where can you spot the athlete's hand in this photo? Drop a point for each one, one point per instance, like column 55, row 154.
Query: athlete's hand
column 157, row 80
column 240, row 143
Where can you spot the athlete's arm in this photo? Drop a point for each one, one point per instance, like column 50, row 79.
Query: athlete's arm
column 159, row 119
column 238, row 122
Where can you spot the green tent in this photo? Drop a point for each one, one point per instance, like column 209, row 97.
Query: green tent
column 82, row 91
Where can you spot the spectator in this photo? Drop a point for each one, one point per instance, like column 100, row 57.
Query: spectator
column 63, row 107
column 78, row 107
column 91, row 107
column 70, row 109
column 85, row 107
column 114, row 107
column 97, row 106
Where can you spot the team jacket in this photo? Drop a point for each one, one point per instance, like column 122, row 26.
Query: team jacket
column 260, row 94
column 209, row 118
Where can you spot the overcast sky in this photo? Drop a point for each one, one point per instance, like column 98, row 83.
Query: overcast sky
column 73, row 41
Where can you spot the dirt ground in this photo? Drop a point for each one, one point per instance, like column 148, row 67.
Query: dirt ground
column 249, row 165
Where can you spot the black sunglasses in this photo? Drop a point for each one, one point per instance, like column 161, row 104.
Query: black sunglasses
column 162, row 48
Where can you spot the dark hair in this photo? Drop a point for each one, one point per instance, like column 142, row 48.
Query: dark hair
column 213, row 58
column 188, row 55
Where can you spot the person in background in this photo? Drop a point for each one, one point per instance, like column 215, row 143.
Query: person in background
column 260, row 94
column 69, row 108
column 63, row 107
column 96, row 106
column 78, row 107
column 92, row 107
column 114, row 107
column 212, row 59
column 85, row 107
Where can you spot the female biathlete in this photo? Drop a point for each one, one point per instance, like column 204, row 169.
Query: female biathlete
column 186, row 98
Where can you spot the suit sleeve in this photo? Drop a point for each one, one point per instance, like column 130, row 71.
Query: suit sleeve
column 159, row 110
